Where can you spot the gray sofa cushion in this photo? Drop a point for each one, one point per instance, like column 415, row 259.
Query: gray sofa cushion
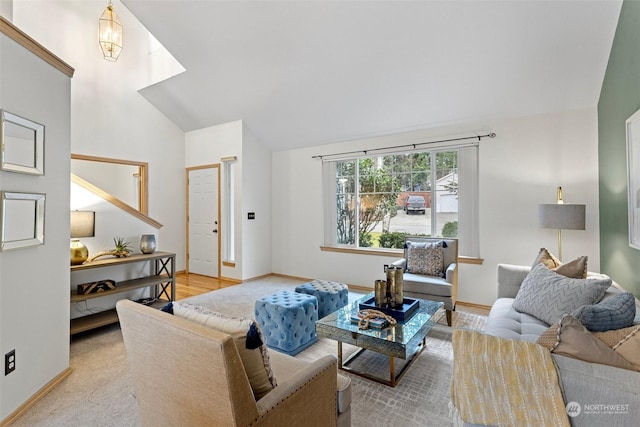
column 548, row 295
column 504, row 321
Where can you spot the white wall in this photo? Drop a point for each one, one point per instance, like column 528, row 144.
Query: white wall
column 34, row 281
column 206, row 147
column 108, row 116
column 519, row 169
column 256, row 198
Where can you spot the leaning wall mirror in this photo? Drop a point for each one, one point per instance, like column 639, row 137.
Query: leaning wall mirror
column 22, row 220
column 125, row 180
column 22, row 143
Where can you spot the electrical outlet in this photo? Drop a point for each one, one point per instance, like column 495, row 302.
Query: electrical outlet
column 9, row 362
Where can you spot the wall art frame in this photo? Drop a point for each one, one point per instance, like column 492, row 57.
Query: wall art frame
column 22, row 220
column 22, row 144
column 632, row 128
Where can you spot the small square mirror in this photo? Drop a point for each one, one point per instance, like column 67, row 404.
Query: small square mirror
column 22, row 144
column 22, row 220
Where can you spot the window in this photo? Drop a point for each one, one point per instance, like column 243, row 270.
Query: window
column 375, row 201
column 228, row 209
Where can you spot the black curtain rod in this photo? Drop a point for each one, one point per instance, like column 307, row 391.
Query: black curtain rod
column 478, row 137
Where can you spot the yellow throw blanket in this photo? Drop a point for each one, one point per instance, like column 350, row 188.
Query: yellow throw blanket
column 503, row 382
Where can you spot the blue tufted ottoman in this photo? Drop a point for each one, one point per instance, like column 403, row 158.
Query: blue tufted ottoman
column 331, row 295
column 288, row 321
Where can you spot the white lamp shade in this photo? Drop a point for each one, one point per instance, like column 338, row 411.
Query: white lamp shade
column 562, row 216
column 82, row 224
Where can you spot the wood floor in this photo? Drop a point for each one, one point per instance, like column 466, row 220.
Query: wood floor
column 188, row 285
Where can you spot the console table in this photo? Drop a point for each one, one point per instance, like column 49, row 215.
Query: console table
column 161, row 278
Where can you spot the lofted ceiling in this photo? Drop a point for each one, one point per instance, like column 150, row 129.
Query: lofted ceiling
column 303, row 73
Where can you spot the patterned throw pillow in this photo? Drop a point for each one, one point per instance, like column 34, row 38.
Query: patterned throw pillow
column 576, row 269
column 255, row 358
column 572, row 339
column 427, row 260
column 547, row 295
column 616, row 312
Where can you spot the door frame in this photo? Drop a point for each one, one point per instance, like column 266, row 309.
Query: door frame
column 219, row 233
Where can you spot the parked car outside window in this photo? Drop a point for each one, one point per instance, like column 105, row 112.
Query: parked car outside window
column 415, row 204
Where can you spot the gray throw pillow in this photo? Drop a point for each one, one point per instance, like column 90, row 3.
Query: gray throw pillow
column 547, row 295
column 616, row 312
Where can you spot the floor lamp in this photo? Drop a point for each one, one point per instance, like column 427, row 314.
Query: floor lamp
column 562, row 217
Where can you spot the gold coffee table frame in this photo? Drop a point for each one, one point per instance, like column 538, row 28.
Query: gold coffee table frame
column 404, row 340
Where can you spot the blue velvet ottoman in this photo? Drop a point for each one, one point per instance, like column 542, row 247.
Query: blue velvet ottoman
column 288, row 321
column 331, row 295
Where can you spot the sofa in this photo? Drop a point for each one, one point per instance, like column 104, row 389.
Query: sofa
column 188, row 372
column 606, row 395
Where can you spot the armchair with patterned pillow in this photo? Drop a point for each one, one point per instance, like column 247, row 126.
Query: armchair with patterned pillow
column 430, row 268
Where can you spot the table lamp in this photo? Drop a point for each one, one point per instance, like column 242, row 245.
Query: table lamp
column 82, row 225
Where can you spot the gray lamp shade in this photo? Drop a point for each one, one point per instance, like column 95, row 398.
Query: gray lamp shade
column 561, row 216
column 82, row 224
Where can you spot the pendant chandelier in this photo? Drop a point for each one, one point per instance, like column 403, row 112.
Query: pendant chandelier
column 110, row 33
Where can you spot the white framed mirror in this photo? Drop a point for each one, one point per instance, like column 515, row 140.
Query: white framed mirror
column 22, row 220
column 22, row 143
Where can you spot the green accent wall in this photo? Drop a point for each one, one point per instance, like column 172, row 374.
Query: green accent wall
column 619, row 99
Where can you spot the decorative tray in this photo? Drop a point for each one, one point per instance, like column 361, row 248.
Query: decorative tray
column 409, row 307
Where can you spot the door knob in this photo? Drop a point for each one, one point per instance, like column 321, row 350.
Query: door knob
column 215, row 230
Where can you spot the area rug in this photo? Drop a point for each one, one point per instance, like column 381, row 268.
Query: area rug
column 99, row 392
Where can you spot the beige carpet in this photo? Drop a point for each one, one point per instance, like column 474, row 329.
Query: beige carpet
column 99, row 392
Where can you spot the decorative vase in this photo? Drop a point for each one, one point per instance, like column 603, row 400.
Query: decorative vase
column 147, row 243
column 381, row 293
column 394, row 286
column 79, row 252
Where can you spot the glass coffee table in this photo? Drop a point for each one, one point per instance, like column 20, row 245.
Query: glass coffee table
column 404, row 340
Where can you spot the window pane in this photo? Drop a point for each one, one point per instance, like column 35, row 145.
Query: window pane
column 345, row 202
column 402, row 182
column 421, row 181
column 447, row 194
column 401, row 163
column 346, row 215
column 420, row 162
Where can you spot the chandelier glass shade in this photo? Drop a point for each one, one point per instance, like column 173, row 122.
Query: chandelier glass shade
column 110, row 33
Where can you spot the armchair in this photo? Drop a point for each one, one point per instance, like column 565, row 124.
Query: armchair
column 188, row 374
column 434, row 287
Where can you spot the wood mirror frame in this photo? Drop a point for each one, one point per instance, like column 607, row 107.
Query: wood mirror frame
column 142, row 174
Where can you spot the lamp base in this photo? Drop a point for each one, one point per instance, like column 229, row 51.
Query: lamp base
column 79, row 252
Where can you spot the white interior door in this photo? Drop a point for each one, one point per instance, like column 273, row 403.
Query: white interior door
column 203, row 221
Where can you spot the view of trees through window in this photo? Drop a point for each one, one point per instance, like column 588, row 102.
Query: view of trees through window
column 380, row 199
